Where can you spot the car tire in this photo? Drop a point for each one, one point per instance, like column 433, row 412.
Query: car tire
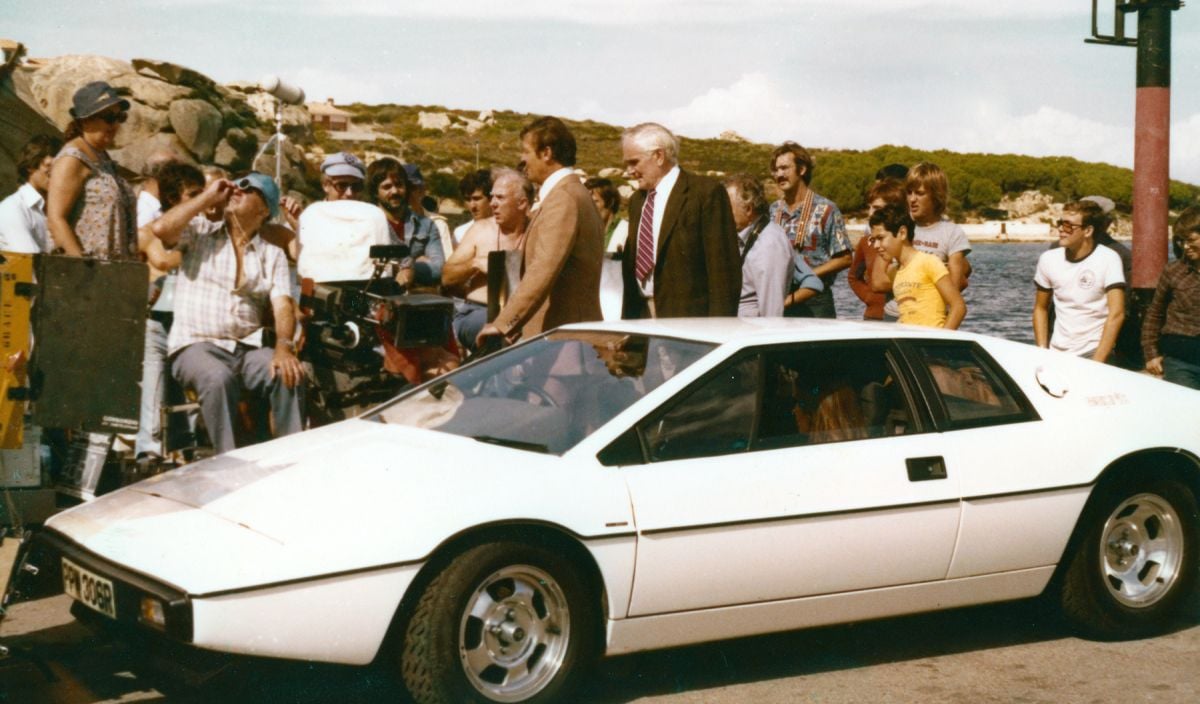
column 502, row 622
column 1134, row 561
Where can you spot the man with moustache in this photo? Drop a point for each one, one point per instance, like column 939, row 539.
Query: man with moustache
column 466, row 269
column 388, row 187
column 682, row 255
column 564, row 245
column 814, row 225
column 228, row 281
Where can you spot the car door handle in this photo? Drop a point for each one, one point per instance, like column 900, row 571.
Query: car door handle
column 923, row 469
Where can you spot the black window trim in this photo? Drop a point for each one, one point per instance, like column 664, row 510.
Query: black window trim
column 936, row 407
column 901, row 364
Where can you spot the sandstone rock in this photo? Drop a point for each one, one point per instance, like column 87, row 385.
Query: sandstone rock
column 1025, row 204
column 172, row 73
column 731, row 136
column 135, row 155
column 487, row 117
column 611, row 172
column 144, row 122
column 56, row 80
column 263, row 105
column 466, row 123
column 433, row 121
column 198, row 125
column 224, row 155
column 149, row 91
column 446, row 170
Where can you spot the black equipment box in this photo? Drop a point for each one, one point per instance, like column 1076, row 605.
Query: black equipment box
column 89, row 327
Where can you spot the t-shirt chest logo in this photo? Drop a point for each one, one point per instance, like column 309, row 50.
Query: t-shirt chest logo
column 1086, row 279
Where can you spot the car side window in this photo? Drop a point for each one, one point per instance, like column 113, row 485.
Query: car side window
column 821, row 393
column 714, row 417
column 972, row 390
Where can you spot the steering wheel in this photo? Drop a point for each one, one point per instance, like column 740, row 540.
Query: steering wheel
column 524, row 391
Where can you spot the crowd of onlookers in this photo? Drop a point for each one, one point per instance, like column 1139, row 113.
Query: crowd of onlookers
column 223, row 253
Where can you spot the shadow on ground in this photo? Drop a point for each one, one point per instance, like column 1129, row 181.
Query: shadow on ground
column 92, row 669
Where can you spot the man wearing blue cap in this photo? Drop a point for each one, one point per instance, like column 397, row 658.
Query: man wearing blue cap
column 228, row 281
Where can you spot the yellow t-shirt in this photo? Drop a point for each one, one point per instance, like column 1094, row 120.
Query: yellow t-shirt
column 915, row 290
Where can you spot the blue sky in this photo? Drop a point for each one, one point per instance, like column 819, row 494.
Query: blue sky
column 998, row 76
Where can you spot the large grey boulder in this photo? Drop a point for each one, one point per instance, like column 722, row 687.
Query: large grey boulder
column 135, row 155
column 55, row 81
column 148, row 91
column 143, row 122
column 198, row 125
column 172, row 73
column 433, row 121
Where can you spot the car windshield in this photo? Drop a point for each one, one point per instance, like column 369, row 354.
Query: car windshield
column 547, row 395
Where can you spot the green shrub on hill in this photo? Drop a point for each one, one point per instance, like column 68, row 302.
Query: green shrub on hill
column 977, row 181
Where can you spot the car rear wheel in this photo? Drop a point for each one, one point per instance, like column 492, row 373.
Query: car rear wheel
column 503, row 622
column 1135, row 561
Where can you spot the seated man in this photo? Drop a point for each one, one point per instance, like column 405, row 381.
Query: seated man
column 228, row 281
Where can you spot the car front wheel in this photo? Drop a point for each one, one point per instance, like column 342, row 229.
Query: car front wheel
column 503, row 622
column 1135, row 561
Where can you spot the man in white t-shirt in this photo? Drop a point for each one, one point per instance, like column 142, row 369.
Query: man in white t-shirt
column 1087, row 284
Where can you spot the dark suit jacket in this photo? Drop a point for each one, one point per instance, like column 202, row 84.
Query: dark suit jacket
column 564, row 248
column 697, row 270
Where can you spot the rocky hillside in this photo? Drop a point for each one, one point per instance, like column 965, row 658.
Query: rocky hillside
column 171, row 108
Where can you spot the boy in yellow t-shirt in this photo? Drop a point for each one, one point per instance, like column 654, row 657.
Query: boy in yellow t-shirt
column 920, row 282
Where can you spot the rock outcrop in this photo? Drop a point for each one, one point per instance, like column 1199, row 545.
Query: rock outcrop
column 172, row 108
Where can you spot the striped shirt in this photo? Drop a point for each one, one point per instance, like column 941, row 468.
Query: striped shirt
column 1175, row 310
column 209, row 305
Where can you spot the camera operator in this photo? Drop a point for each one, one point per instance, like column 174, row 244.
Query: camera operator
column 229, row 280
column 387, row 186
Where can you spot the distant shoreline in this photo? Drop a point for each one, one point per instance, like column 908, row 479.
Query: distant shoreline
column 992, row 231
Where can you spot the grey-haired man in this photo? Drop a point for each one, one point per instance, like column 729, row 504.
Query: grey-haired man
column 228, row 281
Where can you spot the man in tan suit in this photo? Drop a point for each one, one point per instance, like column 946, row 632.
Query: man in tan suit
column 564, row 244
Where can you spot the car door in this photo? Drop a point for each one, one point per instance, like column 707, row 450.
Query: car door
column 787, row 471
column 1016, row 515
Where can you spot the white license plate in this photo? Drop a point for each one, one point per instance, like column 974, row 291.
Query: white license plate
column 88, row 588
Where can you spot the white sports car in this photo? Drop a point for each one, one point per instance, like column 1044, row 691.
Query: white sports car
column 617, row 487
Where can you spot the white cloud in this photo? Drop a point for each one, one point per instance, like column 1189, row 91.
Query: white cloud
column 631, row 12
column 762, row 109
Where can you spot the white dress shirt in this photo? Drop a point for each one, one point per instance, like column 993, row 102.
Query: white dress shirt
column 23, row 222
column 550, row 182
column 662, row 192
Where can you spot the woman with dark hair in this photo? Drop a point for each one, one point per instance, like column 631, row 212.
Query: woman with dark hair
column 90, row 210
column 608, row 203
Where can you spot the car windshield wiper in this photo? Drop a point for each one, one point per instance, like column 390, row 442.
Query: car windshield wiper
column 509, row 442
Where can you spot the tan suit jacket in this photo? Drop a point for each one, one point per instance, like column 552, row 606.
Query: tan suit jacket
column 560, row 279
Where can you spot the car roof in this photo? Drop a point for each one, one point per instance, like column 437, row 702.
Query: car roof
column 748, row 331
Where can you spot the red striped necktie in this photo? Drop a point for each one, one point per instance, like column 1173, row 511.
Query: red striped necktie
column 645, row 240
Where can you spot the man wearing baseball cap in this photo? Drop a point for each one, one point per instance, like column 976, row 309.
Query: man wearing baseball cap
column 228, row 281
column 342, row 176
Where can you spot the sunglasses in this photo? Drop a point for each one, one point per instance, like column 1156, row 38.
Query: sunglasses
column 344, row 186
column 113, row 118
column 1066, row 226
column 246, row 184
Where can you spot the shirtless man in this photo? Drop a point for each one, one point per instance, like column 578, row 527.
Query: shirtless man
column 465, row 272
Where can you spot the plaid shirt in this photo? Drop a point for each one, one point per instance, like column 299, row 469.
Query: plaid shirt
column 209, row 306
column 822, row 238
column 1175, row 309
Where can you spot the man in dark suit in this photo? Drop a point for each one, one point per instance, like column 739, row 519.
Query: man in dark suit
column 681, row 258
column 564, row 244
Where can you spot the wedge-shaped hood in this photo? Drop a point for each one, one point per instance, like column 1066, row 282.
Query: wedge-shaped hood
column 354, row 495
